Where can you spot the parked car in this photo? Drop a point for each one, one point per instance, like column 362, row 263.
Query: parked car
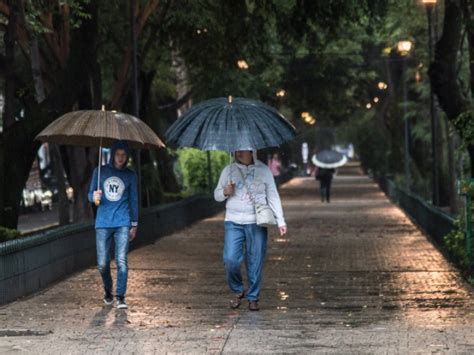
column 46, row 200
column 37, row 199
column 28, row 199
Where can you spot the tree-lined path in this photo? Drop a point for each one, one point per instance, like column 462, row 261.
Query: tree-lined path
column 351, row 276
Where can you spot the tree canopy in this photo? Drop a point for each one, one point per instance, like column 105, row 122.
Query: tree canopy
column 321, row 57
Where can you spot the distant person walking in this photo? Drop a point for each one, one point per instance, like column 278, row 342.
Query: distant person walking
column 274, row 164
column 241, row 185
column 117, row 219
column 324, row 176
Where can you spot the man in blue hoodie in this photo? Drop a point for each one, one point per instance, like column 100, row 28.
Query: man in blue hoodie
column 117, row 218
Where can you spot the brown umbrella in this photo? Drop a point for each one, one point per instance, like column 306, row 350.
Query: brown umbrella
column 94, row 128
column 99, row 128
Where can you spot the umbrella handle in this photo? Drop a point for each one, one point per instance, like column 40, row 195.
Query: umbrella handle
column 100, row 152
column 230, row 173
column 100, row 163
column 97, row 202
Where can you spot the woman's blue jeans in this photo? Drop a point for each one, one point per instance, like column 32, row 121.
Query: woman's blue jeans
column 103, row 239
column 254, row 239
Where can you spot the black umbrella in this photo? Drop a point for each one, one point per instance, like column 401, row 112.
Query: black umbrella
column 329, row 159
column 230, row 124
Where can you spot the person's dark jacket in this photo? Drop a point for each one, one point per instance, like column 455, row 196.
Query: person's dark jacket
column 324, row 174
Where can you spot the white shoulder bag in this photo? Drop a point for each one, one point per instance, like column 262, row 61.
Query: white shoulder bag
column 263, row 212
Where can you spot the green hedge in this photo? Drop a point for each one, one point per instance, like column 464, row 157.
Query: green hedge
column 455, row 243
column 193, row 166
column 8, row 234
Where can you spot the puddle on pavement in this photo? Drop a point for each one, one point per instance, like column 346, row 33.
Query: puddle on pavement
column 23, row 332
column 165, row 280
column 276, row 258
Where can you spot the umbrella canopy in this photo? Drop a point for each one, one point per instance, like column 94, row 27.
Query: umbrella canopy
column 230, row 124
column 93, row 128
column 329, row 159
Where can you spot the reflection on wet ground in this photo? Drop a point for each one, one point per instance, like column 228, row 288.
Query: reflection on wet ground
column 351, row 276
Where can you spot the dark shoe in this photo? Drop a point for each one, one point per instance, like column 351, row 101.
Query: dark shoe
column 253, row 306
column 235, row 303
column 121, row 303
column 108, row 298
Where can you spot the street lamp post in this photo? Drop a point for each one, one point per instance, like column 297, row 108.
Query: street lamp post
column 430, row 4
column 404, row 48
column 135, row 101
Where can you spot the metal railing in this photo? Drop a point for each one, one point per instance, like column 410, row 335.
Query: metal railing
column 466, row 189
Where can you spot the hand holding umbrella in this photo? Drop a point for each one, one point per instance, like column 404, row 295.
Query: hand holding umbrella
column 229, row 190
column 97, row 196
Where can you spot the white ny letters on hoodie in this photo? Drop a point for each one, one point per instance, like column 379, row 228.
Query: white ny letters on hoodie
column 239, row 207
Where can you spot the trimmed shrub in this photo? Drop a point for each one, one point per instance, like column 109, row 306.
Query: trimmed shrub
column 8, row 234
column 455, row 243
column 193, row 166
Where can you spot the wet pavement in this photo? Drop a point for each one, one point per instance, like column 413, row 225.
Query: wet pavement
column 34, row 221
column 353, row 276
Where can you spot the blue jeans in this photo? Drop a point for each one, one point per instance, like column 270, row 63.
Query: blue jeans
column 103, row 239
column 254, row 238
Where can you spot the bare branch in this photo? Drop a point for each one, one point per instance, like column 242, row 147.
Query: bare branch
column 143, row 17
column 177, row 103
column 64, row 35
column 154, row 33
column 51, row 37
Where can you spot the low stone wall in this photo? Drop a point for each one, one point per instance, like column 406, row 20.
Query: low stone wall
column 32, row 263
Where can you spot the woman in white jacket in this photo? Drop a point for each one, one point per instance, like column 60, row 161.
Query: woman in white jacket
column 240, row 222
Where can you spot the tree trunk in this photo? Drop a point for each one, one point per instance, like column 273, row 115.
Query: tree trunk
column 453, row 196
column 443, row 157
column 84, row 77
column 18, row 155
column 166, row 172
column 2, row 182
column 178, row 65
column 470, row 150
column 469, row 21
column 393, row 123
column 36, row 70
column 468, row 10
column 9, row 42
column 443, row 70
column 19, row 147
column 80, row 171
column 11, row 176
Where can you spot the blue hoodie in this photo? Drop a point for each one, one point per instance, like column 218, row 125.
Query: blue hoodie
column 119, row 204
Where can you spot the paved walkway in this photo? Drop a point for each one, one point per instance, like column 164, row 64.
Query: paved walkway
column 353, row 276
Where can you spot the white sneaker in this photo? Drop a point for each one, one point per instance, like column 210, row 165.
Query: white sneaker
column 121, row 303
column 108, row 299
